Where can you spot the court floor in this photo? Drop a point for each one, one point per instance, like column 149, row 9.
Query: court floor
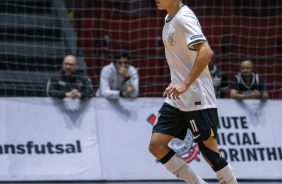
column 182, row 182
column 139, row 182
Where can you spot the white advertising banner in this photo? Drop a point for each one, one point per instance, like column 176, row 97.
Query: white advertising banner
column 99, row 139
column 250, row 137
column 125, row 132
column 44, row 139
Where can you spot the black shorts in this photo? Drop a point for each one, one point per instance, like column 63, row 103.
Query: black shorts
column 172, row 121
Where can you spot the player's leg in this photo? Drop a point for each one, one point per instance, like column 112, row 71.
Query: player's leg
column 159, row 145
column 168, row 125
column 203, row 125
column 172, row 161
column 211, row 154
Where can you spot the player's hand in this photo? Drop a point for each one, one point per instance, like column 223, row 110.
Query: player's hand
column 175, row 90
column 165, row 92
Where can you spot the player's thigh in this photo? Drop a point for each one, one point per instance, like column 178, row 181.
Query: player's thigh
column 160, row 139
column 202, row 123
column 170, row 122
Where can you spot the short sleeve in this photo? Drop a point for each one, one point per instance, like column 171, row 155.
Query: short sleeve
column 191, row 30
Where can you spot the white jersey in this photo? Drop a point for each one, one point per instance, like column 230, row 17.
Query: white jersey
column 179, row 35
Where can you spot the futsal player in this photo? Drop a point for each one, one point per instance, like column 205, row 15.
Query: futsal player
column 190, row 101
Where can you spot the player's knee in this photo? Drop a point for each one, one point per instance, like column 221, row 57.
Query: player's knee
column 156, row 148
column 152, row 148
column 215, row 159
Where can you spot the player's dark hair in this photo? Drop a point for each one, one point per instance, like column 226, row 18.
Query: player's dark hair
column 120, row 54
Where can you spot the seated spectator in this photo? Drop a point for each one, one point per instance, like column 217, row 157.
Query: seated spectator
column 70, row 82
column 219, row 78
column 247, row 85
column 119, row 78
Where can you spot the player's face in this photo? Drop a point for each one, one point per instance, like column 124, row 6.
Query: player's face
column 164, row 4
column 246, row 68
column 69, row 65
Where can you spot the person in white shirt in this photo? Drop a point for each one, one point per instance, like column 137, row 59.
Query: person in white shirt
column 190, row 102
column 119, row 79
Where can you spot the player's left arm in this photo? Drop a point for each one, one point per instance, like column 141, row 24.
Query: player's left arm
column 204, row 55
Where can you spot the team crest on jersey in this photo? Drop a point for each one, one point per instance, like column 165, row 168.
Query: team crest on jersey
column 170, row 39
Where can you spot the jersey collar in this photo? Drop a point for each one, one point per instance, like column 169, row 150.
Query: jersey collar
column 166, row 21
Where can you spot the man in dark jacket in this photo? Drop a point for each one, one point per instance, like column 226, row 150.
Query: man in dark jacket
column 69, row 82
column 247, row 84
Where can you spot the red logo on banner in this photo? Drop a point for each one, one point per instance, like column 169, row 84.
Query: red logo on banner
column 151, row 119
column 185, row 147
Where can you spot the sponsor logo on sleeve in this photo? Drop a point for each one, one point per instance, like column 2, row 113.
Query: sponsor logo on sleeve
column 196, row 36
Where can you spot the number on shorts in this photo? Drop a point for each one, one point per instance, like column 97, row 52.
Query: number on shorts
column 193, row 124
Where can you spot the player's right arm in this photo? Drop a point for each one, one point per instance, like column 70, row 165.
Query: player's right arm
column 204, row 55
